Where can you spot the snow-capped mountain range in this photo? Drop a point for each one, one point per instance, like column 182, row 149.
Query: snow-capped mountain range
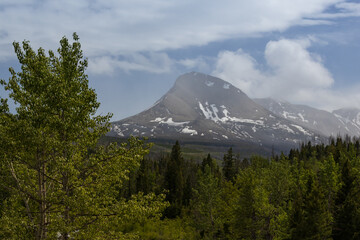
column 200, row 107
column 340, row 122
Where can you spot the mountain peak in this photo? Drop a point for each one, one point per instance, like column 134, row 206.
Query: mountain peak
column 201, row 107
column 200, row 80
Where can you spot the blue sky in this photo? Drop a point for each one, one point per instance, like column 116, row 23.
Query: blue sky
column 302, row 51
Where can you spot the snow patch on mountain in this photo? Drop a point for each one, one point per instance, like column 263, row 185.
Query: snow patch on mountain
column 215, row 111
column 293, row 116
column 187, row 130
column 208, row 113
column 288, row 115
column 118, row 131
column 341, row 119
column 211, row 112
column 240, row 120
column 302, row 118
column 301, row 129
column 285, row 127
column 169, row 122
column 209, row 83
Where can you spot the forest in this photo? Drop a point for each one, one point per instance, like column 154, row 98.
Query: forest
column 311, row 193
column 58, row 182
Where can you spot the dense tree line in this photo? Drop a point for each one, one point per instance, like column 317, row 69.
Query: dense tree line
column 311, row 193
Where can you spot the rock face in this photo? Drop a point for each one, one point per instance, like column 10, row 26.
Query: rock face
column 351, row 118
column 200, row 107
column 340, row 122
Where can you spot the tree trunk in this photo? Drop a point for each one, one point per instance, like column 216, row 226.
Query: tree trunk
column 42, row 225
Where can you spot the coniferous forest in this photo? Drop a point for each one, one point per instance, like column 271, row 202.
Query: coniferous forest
column 58, row 182
column 311, row 193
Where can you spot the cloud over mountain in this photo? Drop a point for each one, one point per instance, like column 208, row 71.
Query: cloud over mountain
column 292, row 72
column 153, row 41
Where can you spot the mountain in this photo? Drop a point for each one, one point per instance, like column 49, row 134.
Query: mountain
column 349, row 117
column 341, row 122
column 200, row 107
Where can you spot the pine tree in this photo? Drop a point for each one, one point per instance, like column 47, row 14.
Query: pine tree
column 229, row 166
column 208, row 161
column 174, row 181
column 146, row 177
column 214, row 167
column 310, row 217
column 347, row 215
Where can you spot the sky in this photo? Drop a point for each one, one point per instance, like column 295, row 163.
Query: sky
column 301, row 51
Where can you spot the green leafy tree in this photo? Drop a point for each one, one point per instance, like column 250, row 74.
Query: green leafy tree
column 255, row 214
column 4, row 191
column 62, row 184
column 244, row 224
column 279, row 182
column 205, row 204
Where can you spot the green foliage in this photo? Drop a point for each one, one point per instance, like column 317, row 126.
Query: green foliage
column 178, row 228
column 229, row 169
column 205, row 204
column 146, row 177
column 347, row 211
column 58, row 182
column 311, row 218
column 309, row 194
column 61, row 183
column 253, row 210
column 174, row 178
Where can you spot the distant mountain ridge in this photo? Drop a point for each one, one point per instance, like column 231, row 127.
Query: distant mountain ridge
column 200, row 107
column 340, row 122
column 350, row 116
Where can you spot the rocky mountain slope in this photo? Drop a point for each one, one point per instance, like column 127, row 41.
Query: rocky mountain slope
column 340, row 122
column 200, row 107
column 350, row 117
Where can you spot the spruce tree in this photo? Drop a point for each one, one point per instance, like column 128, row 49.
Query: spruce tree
column 208, row 161
column 347, row 215
column 229, row 166
column 174, row 181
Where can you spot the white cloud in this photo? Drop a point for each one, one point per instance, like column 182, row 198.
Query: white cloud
column 102, row 65
column 152, row 63
column 290, row 60
column 313, row 22
column 293, row 73
column 240, row 69
column 345, row 9
column 198, row 64
column 123, row 27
